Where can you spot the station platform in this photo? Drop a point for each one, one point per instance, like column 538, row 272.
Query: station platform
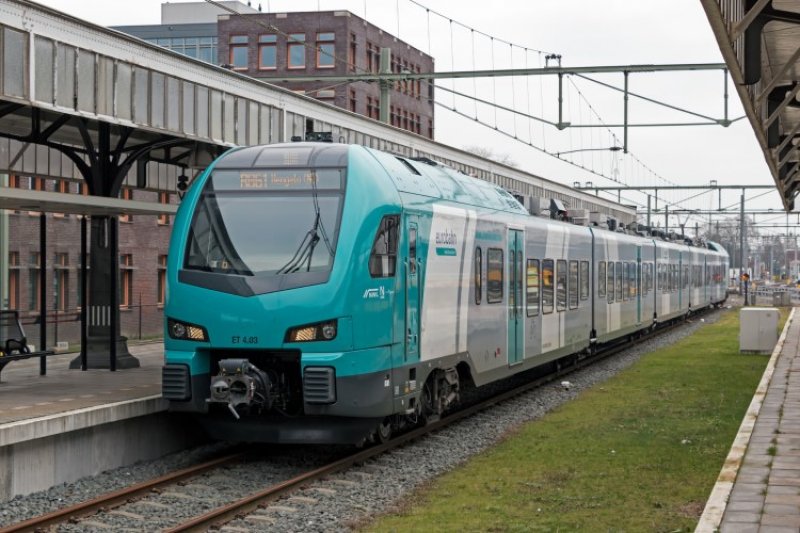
column 758, row 489
column 71, row 423
column 25, row 395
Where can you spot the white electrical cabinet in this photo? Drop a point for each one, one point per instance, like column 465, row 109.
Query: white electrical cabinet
column 758, row 329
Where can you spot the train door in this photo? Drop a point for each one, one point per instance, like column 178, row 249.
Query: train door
column 412, row 291
column 516, row 323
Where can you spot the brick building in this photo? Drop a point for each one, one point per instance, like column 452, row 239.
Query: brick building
column 143, row 254
column 276, row 45
column 279, row 45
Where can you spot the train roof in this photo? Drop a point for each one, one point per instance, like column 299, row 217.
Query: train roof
column 428, row 178
column 412, row 176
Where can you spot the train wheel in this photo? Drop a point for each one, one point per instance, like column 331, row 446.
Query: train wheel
column 384, row 431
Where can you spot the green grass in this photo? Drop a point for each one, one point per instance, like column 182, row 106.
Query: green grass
column 640, row 452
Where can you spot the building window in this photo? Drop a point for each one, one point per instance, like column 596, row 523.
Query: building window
column 351, row 56
column 373, row 58
column 13, row 280
column 61, row 186
column 61, row 281
column 373, row 111
column 32, row 183
column 34, row 290
column 126, row 193
column 297, row 50
column 161, row 297
column 238, row 52
column 352, row 100
column 126, row 280
column 326, row 50
column 208, row 49
column 163, row 198
column 267, row 52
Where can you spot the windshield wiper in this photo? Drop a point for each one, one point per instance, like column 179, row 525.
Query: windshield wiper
column 304, row 251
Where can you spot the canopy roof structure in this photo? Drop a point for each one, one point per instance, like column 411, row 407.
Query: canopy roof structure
column 760, row 42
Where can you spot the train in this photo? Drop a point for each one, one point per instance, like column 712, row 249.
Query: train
column 333, row 293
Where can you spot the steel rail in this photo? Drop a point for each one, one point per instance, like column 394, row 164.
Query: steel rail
column 116, row 498
column 218, row 517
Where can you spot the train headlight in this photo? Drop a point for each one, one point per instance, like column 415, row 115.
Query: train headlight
column 185, row 331
column 321, row 331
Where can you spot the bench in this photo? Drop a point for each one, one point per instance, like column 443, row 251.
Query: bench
column 13, row 344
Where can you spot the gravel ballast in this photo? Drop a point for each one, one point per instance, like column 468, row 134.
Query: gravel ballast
column 343, row 500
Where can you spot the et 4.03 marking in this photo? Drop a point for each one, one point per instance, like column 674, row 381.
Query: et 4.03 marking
column 236, row 339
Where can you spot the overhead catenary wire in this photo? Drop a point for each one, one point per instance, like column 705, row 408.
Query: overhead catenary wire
column 473, row 31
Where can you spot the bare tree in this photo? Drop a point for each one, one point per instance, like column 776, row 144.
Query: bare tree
column 488, row 153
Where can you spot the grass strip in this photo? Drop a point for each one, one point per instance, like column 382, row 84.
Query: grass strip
column 641, row 452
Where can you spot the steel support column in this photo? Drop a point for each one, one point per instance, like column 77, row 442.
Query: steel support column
column 84, row 299
column 42, row 291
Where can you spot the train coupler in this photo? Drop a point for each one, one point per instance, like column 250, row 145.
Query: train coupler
column 240, row 383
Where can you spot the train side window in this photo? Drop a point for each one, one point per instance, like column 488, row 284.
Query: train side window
column 601, row 279
column 547, row 286
column 478, row 273
column 626, row 286
column 632, row 280
column 561, row 285
column 610, row 279
column 412, row 250
column 620, row 274
column 573, row 285
column 584, row 280
column 532, row 288
column 383, row 258
column 494, row 275
column 644, row 278
column 676, row 278
column 670, row 272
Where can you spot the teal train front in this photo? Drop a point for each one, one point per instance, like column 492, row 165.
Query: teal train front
column 330, row 293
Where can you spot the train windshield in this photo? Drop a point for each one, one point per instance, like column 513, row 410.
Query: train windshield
column 262, row 222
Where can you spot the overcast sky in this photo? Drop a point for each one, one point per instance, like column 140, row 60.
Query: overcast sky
column 584, row 33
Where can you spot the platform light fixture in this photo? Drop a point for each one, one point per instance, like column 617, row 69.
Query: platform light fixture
column 607, row 149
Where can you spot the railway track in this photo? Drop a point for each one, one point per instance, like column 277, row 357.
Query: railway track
column 187, row 483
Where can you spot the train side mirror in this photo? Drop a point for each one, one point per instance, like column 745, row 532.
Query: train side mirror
column 182, row 185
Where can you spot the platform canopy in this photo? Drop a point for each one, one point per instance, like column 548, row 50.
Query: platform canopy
column 760, row 42
column 54, row 202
